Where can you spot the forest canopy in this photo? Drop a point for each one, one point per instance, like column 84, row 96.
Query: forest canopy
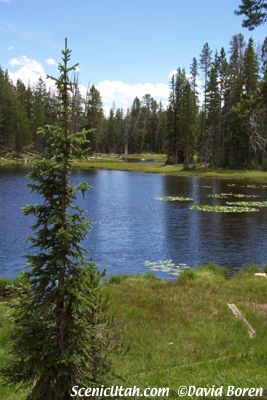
column 216, row 112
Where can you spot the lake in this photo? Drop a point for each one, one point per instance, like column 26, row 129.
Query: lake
column 131, row 227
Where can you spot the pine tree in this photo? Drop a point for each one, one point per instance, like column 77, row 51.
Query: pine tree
column 161, row 130
column 134, row 129
column 214, row 111
column 8, row 103
column 255, row 12
column 188, row 124
column 251, row 67
column 119, row 131
column 59, row 338
column 23, row 129
column 235, row 85
column 38, row 115
column 205, row 64
column 94, row 118
column 194, row 74
column 223, row 91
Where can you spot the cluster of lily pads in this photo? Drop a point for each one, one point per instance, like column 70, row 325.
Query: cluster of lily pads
column 174, row 198
column 248, row 186
column 224, row 209
column 167, row 266
column 257, row 204
column 230, row 207
column 225, row 195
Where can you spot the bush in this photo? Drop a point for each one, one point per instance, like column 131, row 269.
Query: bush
column 265, row 268
column 5, row 287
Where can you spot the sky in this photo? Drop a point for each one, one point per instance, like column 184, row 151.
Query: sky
column 126, row 48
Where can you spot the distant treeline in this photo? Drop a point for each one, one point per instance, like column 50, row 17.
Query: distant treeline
column 221, row 121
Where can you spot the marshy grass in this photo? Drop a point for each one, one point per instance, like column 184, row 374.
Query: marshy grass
column 181, row 333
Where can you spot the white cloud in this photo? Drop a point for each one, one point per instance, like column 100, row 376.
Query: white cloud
column 83, row 89
column 123, row 94
column 10, row 48
column 50, row 61
column 171, row 73
column 29, row 71
column 6, row 1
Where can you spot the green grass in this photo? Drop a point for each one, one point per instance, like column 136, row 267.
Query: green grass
column 181, row 333
column 115, row 162
column 184, row 333
column 147, row 156
column 7, row 392
column 199, row 170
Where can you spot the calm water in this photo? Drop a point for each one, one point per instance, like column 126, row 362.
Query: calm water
column 131, row 227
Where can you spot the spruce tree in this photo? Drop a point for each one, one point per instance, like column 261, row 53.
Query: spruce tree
column 255, row 12
column 194, row 74
column 59, row 338
column 250, row 68
column 205, row 65
column 214, row 111
column 94, row 118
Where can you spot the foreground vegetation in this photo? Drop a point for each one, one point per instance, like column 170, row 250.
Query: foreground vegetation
column 181, row 333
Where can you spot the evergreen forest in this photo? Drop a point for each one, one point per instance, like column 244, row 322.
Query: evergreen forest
column 216, row 114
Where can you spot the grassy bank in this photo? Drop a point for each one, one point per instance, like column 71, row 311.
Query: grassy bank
column 114, row 162
column 183, row 333
column 178, row 170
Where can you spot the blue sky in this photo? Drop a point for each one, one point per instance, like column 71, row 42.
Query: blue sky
column 125, row 47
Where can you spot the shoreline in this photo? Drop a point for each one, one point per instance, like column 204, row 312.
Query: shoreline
column 117, row 164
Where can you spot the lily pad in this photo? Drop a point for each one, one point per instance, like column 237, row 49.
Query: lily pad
column 167, row 266
column 225, row 195
column 223, row 209
column 253, row 186
column 174, row 198
column 257, row 204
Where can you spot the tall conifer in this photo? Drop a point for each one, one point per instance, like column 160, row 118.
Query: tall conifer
column 59, row 338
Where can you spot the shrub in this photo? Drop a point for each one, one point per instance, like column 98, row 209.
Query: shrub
column 5, row 287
